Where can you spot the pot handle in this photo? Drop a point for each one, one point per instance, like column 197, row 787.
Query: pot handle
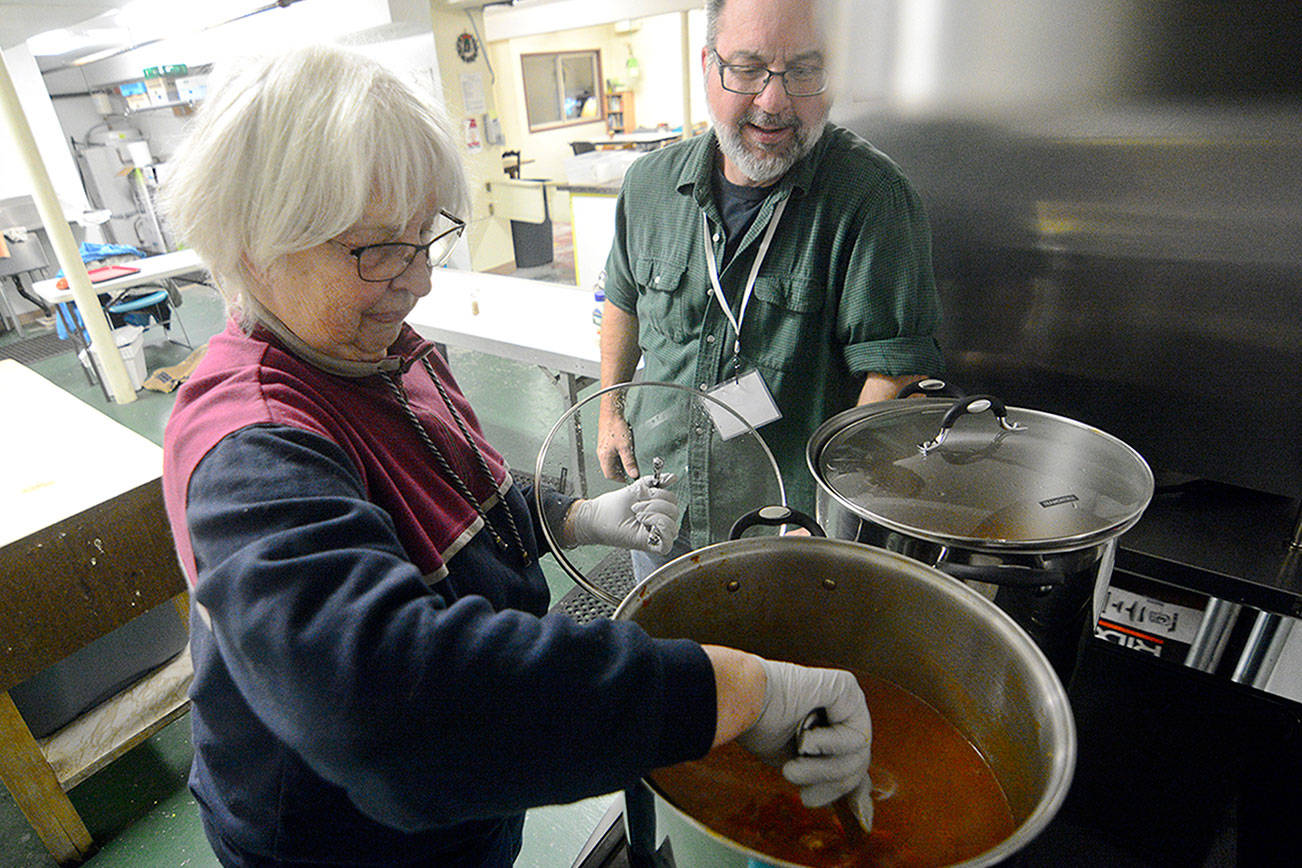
column 930, row 387
column 1008, row 575
column 970, row 404
column 774, row 516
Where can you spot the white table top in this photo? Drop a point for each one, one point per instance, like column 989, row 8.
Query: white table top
column 548, row 324
column 61, row 456
column 151, row 268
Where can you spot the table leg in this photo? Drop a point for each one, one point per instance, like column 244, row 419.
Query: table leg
column 37, row 791
column 174, row 313
column 569, row 385
column 68, row 321
column 9, row 312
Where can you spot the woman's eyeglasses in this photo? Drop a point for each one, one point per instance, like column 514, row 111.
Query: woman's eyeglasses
column 379, row 263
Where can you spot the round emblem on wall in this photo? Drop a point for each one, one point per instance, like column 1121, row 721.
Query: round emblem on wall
column 467, row 47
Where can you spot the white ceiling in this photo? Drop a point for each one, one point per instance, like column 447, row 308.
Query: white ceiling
column 20, row 20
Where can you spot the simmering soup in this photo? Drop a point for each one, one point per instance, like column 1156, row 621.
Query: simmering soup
column 936, row 802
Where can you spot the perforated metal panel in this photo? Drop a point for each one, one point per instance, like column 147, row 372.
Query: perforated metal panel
column 615, row 574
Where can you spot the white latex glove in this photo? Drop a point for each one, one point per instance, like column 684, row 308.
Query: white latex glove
column 640, row 516
column 835, row 757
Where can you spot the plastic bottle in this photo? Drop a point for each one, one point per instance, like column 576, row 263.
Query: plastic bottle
column 598, row 300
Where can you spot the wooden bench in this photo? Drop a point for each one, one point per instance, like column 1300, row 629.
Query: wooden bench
column 84, row 548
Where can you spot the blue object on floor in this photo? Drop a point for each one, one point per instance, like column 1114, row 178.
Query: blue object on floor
column 139, row 301
column 146, row 310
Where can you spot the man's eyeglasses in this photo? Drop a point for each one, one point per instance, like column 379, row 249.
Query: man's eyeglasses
column 379, row 263
column 800, row 80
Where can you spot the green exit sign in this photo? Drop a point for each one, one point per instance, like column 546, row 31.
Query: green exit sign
column 171, row 71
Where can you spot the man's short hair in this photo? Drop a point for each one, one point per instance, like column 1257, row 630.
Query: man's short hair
column 714, row 8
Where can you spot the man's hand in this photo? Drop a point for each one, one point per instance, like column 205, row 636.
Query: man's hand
column 615, row 442
column 880, row 387
column 619, row 355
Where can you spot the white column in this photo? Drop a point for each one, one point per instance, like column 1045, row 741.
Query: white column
column 111, row 366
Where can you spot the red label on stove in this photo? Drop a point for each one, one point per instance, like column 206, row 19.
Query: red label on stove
column 1146, row 624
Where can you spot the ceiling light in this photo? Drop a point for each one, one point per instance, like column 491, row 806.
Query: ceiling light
column 59, row 41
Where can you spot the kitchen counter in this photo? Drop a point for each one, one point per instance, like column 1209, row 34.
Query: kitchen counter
column 1219, row 540
column 603, row 188
column 592, row 226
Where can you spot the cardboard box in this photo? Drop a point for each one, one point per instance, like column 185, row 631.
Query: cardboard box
column 135, row 94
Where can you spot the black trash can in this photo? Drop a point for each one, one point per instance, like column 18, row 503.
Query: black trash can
column 533, row 241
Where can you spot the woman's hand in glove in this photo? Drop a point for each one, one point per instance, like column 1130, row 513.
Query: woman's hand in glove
column 641, row 515
column 834, row 757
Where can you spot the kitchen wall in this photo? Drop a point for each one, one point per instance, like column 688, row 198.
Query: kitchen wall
column 657, row 90
column 489, row 237
column 660, row 86
column 1114, row 194
column 548, row 148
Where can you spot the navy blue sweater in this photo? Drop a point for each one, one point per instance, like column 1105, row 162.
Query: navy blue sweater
column 352, row 708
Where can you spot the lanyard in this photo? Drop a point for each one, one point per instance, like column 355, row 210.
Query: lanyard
column 735, row 321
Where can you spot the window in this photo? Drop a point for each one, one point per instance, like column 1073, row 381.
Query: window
column 561, row 88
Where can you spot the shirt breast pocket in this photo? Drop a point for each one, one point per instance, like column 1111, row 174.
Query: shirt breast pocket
column 662, row 303
column 788, row 323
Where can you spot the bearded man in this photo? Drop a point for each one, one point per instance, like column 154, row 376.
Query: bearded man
column 779, row 255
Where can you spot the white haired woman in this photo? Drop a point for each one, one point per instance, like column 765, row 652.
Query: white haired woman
column 377, row 681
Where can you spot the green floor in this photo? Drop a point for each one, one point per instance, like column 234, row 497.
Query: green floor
column 138, row 809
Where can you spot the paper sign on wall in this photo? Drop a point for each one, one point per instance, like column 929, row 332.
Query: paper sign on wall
column 472, row 93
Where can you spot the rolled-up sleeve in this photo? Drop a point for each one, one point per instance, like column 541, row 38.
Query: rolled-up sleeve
column 620, row 288
column 889, row 309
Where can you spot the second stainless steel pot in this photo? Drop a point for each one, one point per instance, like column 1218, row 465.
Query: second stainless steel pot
column 1025, row 500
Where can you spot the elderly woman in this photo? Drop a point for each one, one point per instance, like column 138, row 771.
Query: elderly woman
column 377, row 680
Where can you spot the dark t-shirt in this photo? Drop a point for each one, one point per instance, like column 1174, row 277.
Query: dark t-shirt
column 738, row 206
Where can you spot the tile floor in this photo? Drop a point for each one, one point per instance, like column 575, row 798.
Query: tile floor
column 138, row 809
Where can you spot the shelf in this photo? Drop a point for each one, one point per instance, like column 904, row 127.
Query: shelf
column 619, row 112
column 149, row 108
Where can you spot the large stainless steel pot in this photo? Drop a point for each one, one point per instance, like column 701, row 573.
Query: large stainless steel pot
column 1025, row 500
column 833, row 602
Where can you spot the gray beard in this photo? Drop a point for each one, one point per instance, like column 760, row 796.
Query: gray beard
column 766, row 168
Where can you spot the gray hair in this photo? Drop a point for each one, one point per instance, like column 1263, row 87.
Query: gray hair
column 289, row 150
column 714, row 8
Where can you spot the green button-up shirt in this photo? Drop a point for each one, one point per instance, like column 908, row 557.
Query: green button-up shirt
column 846, row 288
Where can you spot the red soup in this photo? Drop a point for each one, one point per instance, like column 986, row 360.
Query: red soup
column 939, row 803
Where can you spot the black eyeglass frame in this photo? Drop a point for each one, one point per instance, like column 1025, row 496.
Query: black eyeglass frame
column 458, row 227
column 769, row 76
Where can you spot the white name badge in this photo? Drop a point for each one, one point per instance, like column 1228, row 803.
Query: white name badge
column 749, row 396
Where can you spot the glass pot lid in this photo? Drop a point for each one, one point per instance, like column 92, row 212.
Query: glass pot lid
column 721, row 469
column 973, row 473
